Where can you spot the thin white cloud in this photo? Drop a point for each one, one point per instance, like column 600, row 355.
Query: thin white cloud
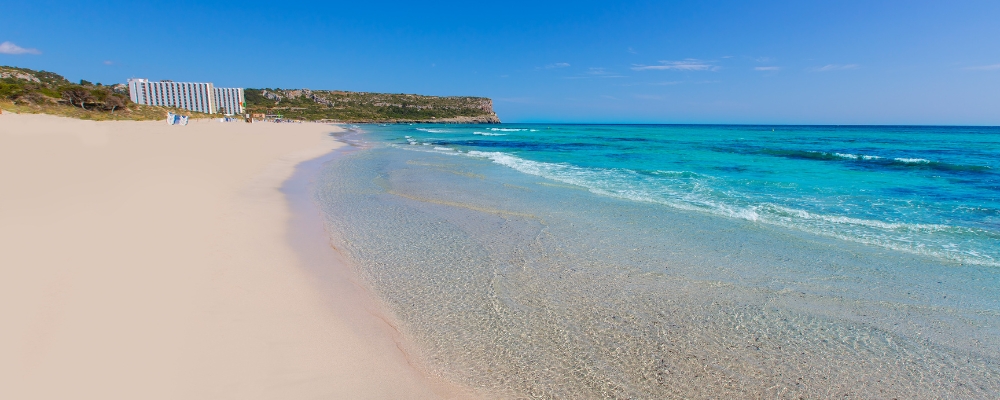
column 597, row 72
column 767, row 68
column 557, row 65
column 632, row 51
column 603, row 73
column 689, row 64
column 836, row 67
column 109, row 62
column 11, row 48
column 993, row 67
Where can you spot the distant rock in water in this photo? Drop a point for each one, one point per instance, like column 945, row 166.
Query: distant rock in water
column 341, row 106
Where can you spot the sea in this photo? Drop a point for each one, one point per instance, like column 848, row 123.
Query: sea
column 680, row 261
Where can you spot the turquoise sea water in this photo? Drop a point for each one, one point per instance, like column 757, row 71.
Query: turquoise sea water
column 678, row 261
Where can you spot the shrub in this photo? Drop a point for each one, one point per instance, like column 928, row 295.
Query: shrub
column 77, row 95
column 113, row 102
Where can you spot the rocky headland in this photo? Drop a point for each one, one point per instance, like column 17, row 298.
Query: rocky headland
column 366, row 107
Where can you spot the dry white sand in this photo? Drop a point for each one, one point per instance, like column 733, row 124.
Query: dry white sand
column 146, row 261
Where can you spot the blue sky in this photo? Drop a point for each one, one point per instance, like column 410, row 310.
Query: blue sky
column 825, row 62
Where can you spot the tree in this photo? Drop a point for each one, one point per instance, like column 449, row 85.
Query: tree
column 77, row 95
column 112, row 102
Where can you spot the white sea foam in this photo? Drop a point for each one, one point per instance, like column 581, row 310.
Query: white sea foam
column 913, row 160
column 489, row 134
column 509, row 129
column 443, row 148
column 689, row 191
column 429, row 130
column 682, row 174
column 842, row 220
column 850, row 156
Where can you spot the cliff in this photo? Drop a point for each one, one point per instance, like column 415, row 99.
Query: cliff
column 316, row 105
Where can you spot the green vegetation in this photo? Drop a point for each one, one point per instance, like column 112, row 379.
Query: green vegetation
column 317, row 105
column 40, row 92
column 27, row 91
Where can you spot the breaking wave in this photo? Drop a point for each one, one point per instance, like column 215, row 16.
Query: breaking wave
column 873, row 160
column 698, row 192
column 512, row 130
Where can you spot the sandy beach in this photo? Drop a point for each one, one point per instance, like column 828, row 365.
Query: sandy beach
column 141, row 260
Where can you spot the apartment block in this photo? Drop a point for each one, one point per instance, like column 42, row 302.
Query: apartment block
column 201, row 97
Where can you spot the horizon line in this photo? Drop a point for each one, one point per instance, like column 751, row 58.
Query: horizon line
column 752, row 124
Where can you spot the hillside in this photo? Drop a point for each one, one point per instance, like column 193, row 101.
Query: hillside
column 315, row 105
column 40, row 92
column 30, row 91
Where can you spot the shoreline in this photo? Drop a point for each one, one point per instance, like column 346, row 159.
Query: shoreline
column 143, row 260
column 509, row 284
column 336, row 275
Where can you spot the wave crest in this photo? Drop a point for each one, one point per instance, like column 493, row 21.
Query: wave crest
column 691, row 191
column 899, row 162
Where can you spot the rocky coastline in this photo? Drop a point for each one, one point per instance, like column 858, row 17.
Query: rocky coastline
column 367, row 107
column 484, row 119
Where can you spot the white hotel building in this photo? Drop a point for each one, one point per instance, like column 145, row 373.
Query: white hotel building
column 201, row 97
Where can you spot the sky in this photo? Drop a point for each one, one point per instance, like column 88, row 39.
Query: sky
column 733, row 62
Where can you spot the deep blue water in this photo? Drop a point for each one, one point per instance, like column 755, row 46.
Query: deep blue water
column 582, row 261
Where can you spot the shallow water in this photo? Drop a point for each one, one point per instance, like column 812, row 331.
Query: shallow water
column 549, row 269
